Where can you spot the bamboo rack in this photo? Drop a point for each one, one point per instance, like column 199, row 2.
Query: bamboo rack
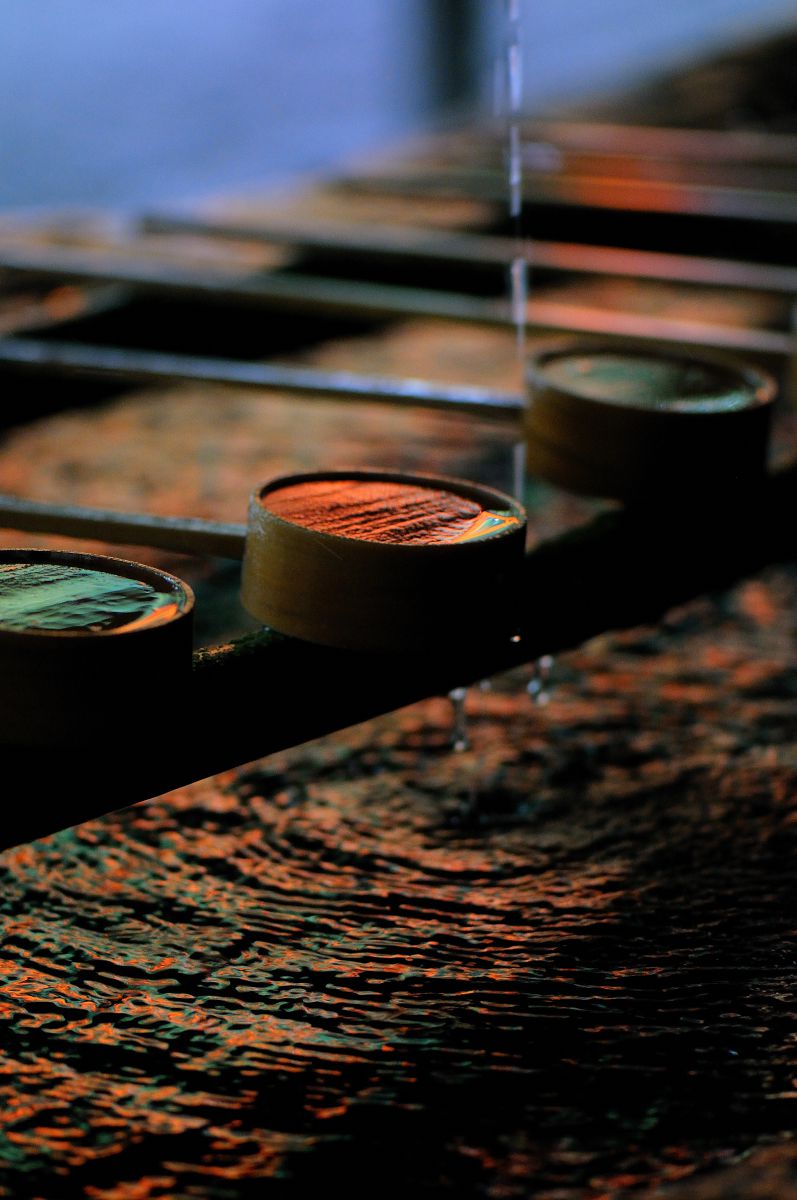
column 606, row 191
column 73, row 359
column 654, row 142
column 294, row 293
column 484, row 251
column 266, row 692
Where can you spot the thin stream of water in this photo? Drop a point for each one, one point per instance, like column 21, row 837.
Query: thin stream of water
column 518, row 275
column 538, row 686
column 509, row 98
column 460, row 735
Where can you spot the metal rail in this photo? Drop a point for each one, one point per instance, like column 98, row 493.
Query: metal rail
column 661, row 141
column 374, row 301
column 74, row 359
column 588, row 191
column 481, row 250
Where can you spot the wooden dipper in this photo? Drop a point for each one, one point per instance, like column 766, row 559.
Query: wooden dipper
column 85, row 641
column 382, row 561
column 651, row 425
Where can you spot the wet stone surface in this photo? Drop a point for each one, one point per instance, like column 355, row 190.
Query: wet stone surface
column 558, row 964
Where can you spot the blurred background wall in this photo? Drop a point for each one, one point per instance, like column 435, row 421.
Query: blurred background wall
column 579, row 47
column 125, row 102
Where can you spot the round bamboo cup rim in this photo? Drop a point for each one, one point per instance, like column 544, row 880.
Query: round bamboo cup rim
column 359, row 594
column 643, row 450
column 72, row 686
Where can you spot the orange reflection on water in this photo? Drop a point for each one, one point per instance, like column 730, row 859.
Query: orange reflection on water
column 487, row 524
column 166, row 612
column 137, row 1189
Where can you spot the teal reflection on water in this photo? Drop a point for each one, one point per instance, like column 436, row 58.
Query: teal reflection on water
column 53, row 597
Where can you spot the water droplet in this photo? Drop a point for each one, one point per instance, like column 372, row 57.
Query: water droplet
column 539, row 685
column 460, row 741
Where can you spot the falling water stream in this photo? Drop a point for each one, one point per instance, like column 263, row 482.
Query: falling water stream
column 539, row 684
column 509, row 97
column 514, row 104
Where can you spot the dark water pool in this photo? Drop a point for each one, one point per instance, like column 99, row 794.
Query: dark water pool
column 560, row 964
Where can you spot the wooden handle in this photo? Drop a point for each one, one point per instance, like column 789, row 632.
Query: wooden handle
column 185, row 535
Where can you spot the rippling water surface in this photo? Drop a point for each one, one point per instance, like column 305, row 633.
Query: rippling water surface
column 560, row 964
